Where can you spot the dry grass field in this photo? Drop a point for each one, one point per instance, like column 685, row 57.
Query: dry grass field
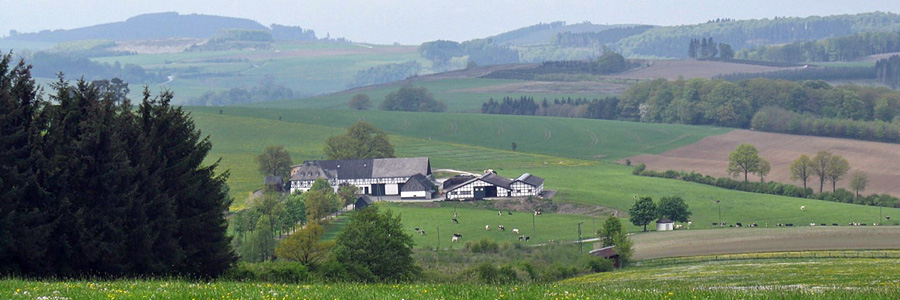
column 710, row 157
column 672, row 69
column 752, row 240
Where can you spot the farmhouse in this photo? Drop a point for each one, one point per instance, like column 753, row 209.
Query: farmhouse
column 491, row 185
column 375, row 177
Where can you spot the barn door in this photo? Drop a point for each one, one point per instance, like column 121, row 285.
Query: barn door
column 479, row 193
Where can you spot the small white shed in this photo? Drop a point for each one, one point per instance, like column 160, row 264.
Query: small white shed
column 664, row 224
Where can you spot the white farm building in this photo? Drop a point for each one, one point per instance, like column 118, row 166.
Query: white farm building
column 491, row 185
column 409, row 178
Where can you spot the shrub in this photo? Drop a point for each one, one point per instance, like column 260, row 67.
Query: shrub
column 483, row 246
column 280, row 272
column 599, row 264
column 639, row 169
column 488, row 273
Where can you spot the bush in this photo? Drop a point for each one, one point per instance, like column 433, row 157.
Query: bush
column 483, row 246
column 638, row 169
column 488, row 273
column 280, row 272
column 599, row 264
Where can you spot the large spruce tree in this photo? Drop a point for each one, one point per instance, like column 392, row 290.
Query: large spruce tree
column 92, row 187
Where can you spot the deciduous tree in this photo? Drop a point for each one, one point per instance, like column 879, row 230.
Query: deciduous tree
column 360, row 102
column 674, row 208
column 643, row 212
column 819, row 165
column 373, row 247
column 274, row 161
column 837, row 168
column 305, row 245
column 858, row 182
column 611, row 227
column 362, row 140
column 801, row 169
column 763, row 169
column 745, row 159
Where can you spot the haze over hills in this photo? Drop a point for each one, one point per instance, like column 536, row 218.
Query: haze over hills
column 158, row 26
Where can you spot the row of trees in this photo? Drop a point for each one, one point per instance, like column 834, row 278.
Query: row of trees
column 842, row 48
column 706, row 48
column 774, row 119
column 645, row 210
column 776, row 188
column 267, row 90
column 385, row 74
column 605, row 108
column 409, row 98
column 888, row 70
column 825, row 166
column 92, row 185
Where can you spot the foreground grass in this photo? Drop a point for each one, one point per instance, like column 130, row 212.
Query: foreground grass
column 739, row 279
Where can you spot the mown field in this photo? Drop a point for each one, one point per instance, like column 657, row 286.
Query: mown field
column 794, row 278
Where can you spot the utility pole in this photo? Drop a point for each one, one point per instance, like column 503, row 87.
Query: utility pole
column 720, row 213
column 439, row 237
column 532, row 223
column 580, row 245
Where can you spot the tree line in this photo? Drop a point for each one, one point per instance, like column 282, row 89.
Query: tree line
column 888, row 71
column 267, row 90
column 706, row 48
column 605, row 108
column 385, row 74
column 843, row 48
column 483, row 52
column 92, row 185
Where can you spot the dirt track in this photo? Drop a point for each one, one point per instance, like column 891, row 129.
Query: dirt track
column 751, row 240
column 710, row 157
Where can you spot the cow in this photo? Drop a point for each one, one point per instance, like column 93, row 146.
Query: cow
column 455, row 221
column 422, row 232
column 456, row 237
column 524, row 238
column 501, row 227
column 754, row 225
column 417, row 229
column 499, row 213
column 527, row 238
column 834, row 224
column 521, row 237
column 508, row 212
column 789, row 224
column 738, row 224
column 537, row 213
column 487, row 227
column 516, row 230
column 803, row 207
column 677, row 226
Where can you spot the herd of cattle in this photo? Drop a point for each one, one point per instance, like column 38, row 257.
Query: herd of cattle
column 456, row 236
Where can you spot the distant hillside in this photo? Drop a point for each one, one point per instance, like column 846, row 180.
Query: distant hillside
column 161, row 26
column 672, row 41
column 543, row 33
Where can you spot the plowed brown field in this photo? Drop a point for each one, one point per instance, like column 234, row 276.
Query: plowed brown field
column 752, row 240
column 881, row 161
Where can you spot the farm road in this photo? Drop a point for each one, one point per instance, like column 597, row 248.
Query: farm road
column 752, row 240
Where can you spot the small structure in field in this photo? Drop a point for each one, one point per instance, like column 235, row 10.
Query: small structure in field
column 608, row 253
column 362, row 202
column 664, row 224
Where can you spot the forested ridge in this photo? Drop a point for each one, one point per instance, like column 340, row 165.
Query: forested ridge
column 843, row 48
column 669, row 41
column 94, row 186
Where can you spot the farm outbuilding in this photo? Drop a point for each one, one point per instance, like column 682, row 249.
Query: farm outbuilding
column 362, row 202
column 608, row 253
column 417, row 187
column 491, row 185
column 664, row 224
column 376, row 177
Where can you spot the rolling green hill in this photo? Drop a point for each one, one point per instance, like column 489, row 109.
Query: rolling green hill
column 567, row 160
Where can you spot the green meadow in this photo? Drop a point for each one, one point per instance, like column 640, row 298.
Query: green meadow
column 805, row 278
column 579, row 158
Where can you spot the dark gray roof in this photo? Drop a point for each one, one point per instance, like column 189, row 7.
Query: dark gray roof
column 362, row 168
column 364, row 198
column 605, row 252
column 488, row 177
column 417, row 183
column 274, row 180
column 456, row 180
column 530, row 180
column 664, row 220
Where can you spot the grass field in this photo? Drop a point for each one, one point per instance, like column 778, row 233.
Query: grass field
column 567, row 160
column 804, row 278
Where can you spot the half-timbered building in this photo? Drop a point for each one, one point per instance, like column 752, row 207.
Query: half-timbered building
column 491, row 185
column 376, row 177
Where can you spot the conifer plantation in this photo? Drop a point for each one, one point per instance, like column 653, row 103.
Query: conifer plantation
column 93, row 186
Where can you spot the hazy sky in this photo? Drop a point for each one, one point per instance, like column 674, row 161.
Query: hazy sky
column 413, row 22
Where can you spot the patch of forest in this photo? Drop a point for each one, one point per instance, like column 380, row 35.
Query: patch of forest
column 844, row 48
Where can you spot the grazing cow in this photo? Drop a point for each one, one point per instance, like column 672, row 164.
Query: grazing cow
column 834, row 224
column 521, row 237
column 537, row 213
column 715, row 224
column 690, row 223
column 417, row 229
column 779, row 224
column 887, row 217
column 677, row 226
column 738, row 224
column 527, row 238
column 501, row 227
column 789, row 225
column 499, row 213
column 516, row 230
column 508, row 212
column 454, row 239
column 803, row 207
column 754, row 225
column 422, row 232
column 455, row 221
column 487, row 227
column 823, row 224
